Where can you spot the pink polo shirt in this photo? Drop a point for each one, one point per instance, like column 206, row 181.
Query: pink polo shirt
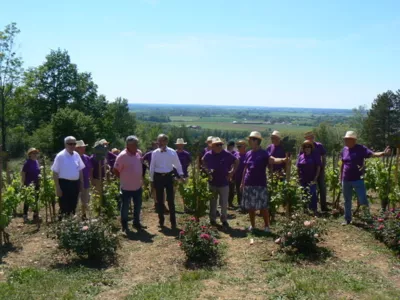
column 130, row 168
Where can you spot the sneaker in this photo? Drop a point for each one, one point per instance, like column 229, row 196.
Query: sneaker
column 250, row 228
column 266, row 229
column 346, row 223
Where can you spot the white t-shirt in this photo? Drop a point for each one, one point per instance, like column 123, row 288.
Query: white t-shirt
column 67, row 165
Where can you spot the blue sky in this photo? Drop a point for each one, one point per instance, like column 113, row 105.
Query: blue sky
column 328, row 54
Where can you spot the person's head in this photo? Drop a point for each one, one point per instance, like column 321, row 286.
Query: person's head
column 180, row 144
column 276, row 138
column 115, row 151
column 154, row 145
column 230, row 145
column 350, row 139
column 308, row 147
column 33, row 153
column 162, row 140
column 241, row 146
column 80, row 147
column 70, row 143
column 309, row 136
column 209, row 142
column 132, row 143
column 255, row 139
column 217, row 145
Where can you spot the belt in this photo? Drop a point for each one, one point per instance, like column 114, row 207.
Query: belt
column 163, row 174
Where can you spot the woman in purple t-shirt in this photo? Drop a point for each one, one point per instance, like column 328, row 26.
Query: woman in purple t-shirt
column 353, row 158
column 30, row 175
column 254, row 181
column 309, row 167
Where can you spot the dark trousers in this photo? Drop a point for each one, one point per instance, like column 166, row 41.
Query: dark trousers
column 126, row 197
column 232, row 186
column 322, row 190
column 165, row 182
column 35, row 208
column 70, row 193
column 238, row 192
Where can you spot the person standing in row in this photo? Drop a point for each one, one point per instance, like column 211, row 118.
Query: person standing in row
column 30, row 175
column 221, row 166
column 128, row 168
column 163, row 162
column 254, row 182
column 309, row 167
column 353, row 158
column 184, row 156
column 146, row 159
column 276, row 150
column 68, row 177
column 231, row 149
column 87, row 173
column 240, row 155
column 319, row 150
column 100, row 167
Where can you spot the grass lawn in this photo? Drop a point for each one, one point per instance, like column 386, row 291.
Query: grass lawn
column 151, row 266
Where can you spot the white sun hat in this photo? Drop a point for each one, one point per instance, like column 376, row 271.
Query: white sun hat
column 276, row 133
column 209, row 139
column 350, row 135
column 217, row 140
column 180, row 142
column 255, row 134
column 80, row 143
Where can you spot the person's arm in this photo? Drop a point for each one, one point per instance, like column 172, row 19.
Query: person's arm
column 243, row 174
column 387, row 151
column 277, row 161
column 235, row 165
column 152, row 165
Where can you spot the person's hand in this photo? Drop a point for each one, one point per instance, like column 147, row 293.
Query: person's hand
column 387, row 150
column 242, row 187
column 59, row 192
column 230, row 175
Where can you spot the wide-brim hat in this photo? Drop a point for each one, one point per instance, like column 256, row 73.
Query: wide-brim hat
column 350, row 135
column 80, row 143
column 115, row 150
column 276, row 133
column 255, row 134
column 308, row 134
column 209, row 139
column 180, row 142
column 308, row 142
column 216, row 140
column 32, row 150
column 241, row 143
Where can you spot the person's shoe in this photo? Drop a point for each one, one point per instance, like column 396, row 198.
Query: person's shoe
column 139, row 226
column 225, row 224
column 218, row 213
column 25, row 217
column 346, row 223
column 266, row 229
column 213, row 223
column 250, row 228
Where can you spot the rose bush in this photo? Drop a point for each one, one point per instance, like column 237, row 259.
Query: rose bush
column 386, row 228
column 200, row 243
column 301, row 233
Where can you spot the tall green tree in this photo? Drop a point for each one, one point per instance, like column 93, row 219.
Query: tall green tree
column 10, row 73
column 383, row 121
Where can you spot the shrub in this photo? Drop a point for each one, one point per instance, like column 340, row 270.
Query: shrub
column 93, row 240
column 107, row 207
column 200, row 243
column 386, row 228
column 301, row 234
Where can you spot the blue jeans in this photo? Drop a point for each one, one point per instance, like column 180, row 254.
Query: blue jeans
column 361, row 192
column 312, row 191
column 126, row 197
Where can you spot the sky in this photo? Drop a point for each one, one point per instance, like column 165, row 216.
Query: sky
column 319, row 54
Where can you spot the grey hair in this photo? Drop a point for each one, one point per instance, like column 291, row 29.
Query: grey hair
column 132, row 138
column 69, row 138
column 162, row 136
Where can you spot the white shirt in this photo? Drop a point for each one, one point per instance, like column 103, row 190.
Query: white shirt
column 67, row 165
column 164, row 162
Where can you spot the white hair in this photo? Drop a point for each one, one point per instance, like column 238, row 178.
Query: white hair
column 132, row 138
column 69, row 138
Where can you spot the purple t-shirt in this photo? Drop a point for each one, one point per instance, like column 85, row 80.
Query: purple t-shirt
column 256, row 163
column 86, row 171
column 95, row 165
column 278, row 152
column 31, row 169
column 111, row 157
column 307, row 165
column 185, row 159
column 221, row 164
column 353, row 160
column 240, row 169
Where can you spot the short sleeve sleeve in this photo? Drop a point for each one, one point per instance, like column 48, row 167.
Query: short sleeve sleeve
column 367, row 152
column 317, row 160
column 118, row 163
column 322, row 149
column 56, row 164
column 81, row 164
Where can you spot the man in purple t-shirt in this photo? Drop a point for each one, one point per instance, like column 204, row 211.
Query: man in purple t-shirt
column 221, row 166
column 353, row 158
column 276, row 150
column 204, row 151
column 320, row 152
column 231, row 149
column 184, row 156
column 87, row 173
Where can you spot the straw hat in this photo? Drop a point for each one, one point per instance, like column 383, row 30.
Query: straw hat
column 32, row 150
column 209, row 139
column 308, row 142
column 101, row 142
column 80, row 143
column 255, row 134
column 277, row 134
column 115, row 151
column 180, row 142
column 216, row 140
column 241, row 143
column 308, row 134
column 350, row 135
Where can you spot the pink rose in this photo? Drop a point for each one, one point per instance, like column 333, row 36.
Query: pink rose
column 380, row 220
column 193, row 219
column 278, row 241
column 180, row 244
column 205, row 236
column 307, row 223
column 84, row 228
column 216, row 242
column 289, row 234
column 381, row 227
column 182, row 232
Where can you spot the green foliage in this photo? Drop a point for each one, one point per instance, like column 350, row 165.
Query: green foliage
column 93, row 240
column 11, row 200
column 107, row 206
column 301, row 233
column 18, row 141
column 42, row 138
column 199, row 242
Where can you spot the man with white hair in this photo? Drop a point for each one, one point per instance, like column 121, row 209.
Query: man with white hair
column 68, row 177
column 276, row 150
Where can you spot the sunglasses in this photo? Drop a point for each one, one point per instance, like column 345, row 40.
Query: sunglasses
column 218, row 145
column 239, row 146
column 307, row 147
column 71, row 144
column 253, row 139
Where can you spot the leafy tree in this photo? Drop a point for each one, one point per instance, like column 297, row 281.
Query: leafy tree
column 17, row 141
column 383, row 121
column 42, row 138
column 10, row 73
column 357, row 121
column 72, row 122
